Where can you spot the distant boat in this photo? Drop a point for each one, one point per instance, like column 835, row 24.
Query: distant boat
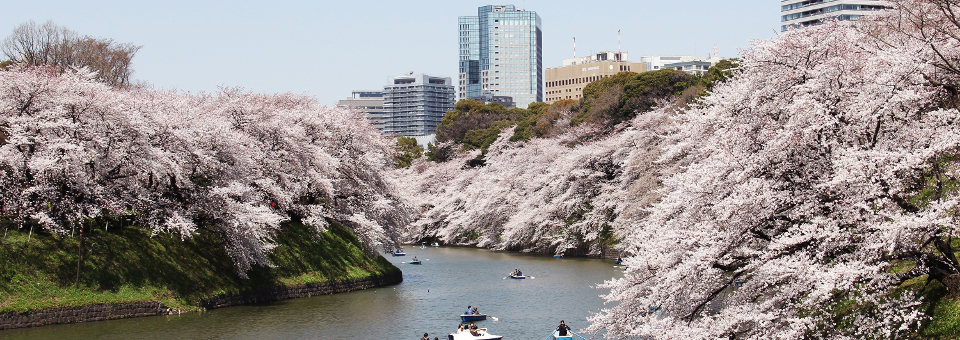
column 518, row 277
column 473, row 317
column 556, row 335
column 416, row 262
column 618, row 261
column 481, row 335
column 435, row 244
column 558, row 255
column 399, row 253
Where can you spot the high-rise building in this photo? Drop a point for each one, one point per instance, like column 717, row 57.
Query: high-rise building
column 369, row 102
column 501, row 54
column 413, row 105
column 802, row 13
column 567, row 81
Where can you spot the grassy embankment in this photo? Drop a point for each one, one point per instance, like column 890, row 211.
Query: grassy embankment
column 127, row 265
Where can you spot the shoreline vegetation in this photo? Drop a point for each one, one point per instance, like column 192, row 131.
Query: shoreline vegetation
column 122, row 265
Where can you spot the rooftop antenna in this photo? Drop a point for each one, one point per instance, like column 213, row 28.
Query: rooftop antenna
column 520, row 7
column 618, row 45
column 574, row 47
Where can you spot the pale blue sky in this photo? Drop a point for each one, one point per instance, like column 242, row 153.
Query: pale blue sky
column 329, row 48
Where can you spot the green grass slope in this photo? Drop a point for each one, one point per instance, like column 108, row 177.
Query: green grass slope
column 126, row 264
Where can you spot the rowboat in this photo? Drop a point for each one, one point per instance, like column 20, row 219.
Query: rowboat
column 399, row 253
column 435, row 244
column 416, row 262
column 558, row 255
column 556, row 335
column 518, row 277
column 473, row 317
column 481, row 335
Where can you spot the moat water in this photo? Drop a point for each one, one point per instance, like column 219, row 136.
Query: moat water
column 430, row 300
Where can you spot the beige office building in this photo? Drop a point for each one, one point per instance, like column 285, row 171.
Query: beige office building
column 568, row 81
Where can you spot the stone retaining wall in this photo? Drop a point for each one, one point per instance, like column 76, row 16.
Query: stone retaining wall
column 54, row 316
column 101, row 312
column 297, row 291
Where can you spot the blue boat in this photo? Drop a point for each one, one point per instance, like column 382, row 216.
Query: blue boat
column 416, row 262
column 558, row 255
column 399, row 253
column 473, row 317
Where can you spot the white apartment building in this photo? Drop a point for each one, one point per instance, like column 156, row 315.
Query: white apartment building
column 414, row 104
column 802, row 13
column 657, row 62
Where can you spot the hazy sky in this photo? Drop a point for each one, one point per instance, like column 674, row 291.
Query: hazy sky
column 329, row 48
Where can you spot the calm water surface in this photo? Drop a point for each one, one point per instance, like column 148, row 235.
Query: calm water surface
column 429, row 300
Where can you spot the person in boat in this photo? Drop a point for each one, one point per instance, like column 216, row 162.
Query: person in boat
column 562, row 329
column 519, row 273
column 476, row 310
column 473, row 326
column 415, row 260
column 425, row 337
column 469, row 311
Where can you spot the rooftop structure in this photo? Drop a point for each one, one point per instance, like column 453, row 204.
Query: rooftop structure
column 657, row 62
column 691, row 67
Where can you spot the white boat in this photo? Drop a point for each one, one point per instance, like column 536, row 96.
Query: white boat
column 399, row 253
column 556, row 335
column 481, row 335
column 435, row 244
column 518, row 277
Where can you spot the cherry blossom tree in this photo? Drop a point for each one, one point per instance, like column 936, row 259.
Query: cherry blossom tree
column 800, row 196
column 794, row 201
column 235, row 162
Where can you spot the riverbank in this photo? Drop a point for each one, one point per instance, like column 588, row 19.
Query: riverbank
column 55, row 277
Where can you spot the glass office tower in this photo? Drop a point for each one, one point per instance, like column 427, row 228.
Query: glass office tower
column 501, row 54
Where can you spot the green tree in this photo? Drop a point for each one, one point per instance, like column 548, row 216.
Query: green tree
column 618, row 98
column 407, row 150
column 441, row 152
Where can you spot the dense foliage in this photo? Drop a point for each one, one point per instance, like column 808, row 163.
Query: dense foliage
column 407, row 150
column 233, row 162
